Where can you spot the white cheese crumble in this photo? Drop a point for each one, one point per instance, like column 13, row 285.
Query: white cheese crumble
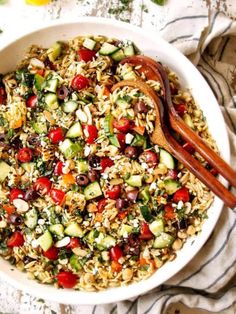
column 128, row 138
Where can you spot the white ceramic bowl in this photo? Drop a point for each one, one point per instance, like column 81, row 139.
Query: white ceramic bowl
column 151, row 45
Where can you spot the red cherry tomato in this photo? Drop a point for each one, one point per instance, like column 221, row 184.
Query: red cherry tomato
column 3, row 95
column 51, row 253
column 58, row 168
column 114, row 192
column 16, row 239
column 173, row 173
column 79, row 82
column 42, row 185
column 189, row 148
column 121, row 140
column 66, row 279
column 58, row 196
column 16, row 193
column 56, row 135
column 86, row 55
column 31, row 102
column 145, row 233
column 91, row 133
column 116, row 253
column 106, row 162
column 181, row 109
column 74, row 242
column 181, row 195
column 149, row 157
column 169, row 212
column 25, row 154
column 123, row 125
column 123, row 214
column 101, row 204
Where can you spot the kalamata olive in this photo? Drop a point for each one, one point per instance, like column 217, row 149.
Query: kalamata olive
column 62, row 92
column 82, row 180
column 30, row 195
column 93, row 175
column 27, row 260
column 132, row 195
column 149, row 157
column 33, row 139
column 2, row 136
column 121, row 203
column 15, row 219
column 140, row 107
column 131, row 152
column 182, row 224
column 94, row 161
column 16, row 143
column 132, row 246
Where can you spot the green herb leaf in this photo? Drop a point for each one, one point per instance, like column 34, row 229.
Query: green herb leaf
column 159, row 2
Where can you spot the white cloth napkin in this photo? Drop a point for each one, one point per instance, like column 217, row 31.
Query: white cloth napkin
column 208, row 38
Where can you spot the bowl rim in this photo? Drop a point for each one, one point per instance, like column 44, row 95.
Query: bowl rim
column 67, row 296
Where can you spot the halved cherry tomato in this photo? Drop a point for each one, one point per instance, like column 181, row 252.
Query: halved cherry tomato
column 101, row 204
column 122, row 125
column 66, row 279
column 116, row 253
column 3, row 95
column 145, row 233
column 16, row 193
column 31, row 102
column 149, row 157
column 123, row 214
column 91, row 133
column 9, row 209
column 86, row 55
column 58, row 168
column 116, row 267
column 25, row 154
column 169, row 212
column 16, row 239
column 74, row 242
column 173, row 173
column 58, row 196
column 51, row 253
column 181, row 195
column 181, row 109
column 106, row 162
column 79, row 82
column 189, row 148
column 42, row 185
column 114, row 192
column 121, row 140
column 56, row 135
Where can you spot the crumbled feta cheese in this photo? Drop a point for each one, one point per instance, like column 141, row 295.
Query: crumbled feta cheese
column 97, row 224
column 144, row 165
column 41, row 221
column 35, row 243
column 128, row 138
column 125, row 234
column 3, row 224
column 153, row 186
column 180, row 204
column 63, row 261
column 81, row 116
column 104, row 176
column 86, row 150
column 95, row 270
column 150, row 170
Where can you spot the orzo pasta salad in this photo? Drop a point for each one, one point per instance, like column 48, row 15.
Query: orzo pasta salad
column 86, row 200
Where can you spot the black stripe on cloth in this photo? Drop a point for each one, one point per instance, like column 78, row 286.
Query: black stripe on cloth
column 222, row 275
column 223, row 48
column 131, row 306
column 222, row 95
column 94, row 309
column 213, row 257
column 190, row 17
column 183, row 37
column 113, row 309
column 213, row 22
column 221, row 34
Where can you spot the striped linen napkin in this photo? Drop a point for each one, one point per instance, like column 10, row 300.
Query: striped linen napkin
column 208, row 38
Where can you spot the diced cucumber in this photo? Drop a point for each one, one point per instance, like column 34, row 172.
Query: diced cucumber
column 74, row 262
column 104, row 242
column 51, row 85
column 135, row 180
column 139, row 141
column 82, row 166
column 167, row 159
column 114, row 140
column 163, row 240
column 38, row 81
column 89, row 43
column 121, row 102
column 75, row 131
column 57, row 229
column 74, row 230
column 125, row 230
column 118, row 55
column 28, row 166
column 51, row 101
column 157, row 227
column 70, row 149
column 92, row 190
column 92, row 235
column 31, row 218
column 129, row 51
column 144, row 195
column 171, row 186
column 145, row 211
column 55, row 51
column 45, row 240
column 108, row 125
column 4, row 170
column 108, row 49
column 188, row 120
column 40, row 127
column 69, row 106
